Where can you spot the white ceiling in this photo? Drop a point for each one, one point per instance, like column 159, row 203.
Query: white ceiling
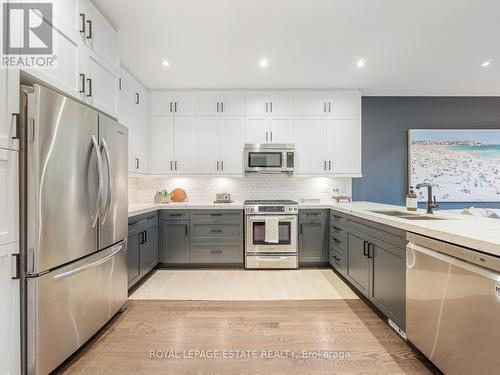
column 425, row 47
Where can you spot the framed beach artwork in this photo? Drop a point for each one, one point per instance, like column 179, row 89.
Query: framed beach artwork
column 462, row 165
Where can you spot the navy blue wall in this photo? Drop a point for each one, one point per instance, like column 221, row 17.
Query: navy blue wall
column 386, row 121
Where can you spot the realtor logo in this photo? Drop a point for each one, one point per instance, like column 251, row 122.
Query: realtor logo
column 27, row 28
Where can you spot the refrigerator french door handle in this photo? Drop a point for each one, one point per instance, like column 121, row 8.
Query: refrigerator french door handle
column 74, row 271
column 110, row 181
column 95, row 216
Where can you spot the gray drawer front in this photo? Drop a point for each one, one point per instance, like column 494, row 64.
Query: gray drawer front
column 337, row 262
column 313, row 214
column 339, row 253
column 220, row 232
column 337, row 231
column 172, row 215
column 338, row 218
column 216, row 216
column 337, row 241
column 393, row 236
column 216, row 253
column 139, row 223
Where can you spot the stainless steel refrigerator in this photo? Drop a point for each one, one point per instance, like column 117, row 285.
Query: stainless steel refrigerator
column 74, row 224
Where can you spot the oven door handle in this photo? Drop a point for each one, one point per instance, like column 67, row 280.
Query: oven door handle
column 271, row 258
column 260, row 217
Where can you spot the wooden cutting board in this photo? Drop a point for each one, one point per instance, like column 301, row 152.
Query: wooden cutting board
column 178, row 195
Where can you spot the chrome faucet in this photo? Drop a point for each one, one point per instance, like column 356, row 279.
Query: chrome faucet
column 431, row 204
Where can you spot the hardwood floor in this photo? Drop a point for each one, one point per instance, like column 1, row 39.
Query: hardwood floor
column 356, row 339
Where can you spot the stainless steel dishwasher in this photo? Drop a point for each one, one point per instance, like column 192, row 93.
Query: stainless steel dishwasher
column 453, row 305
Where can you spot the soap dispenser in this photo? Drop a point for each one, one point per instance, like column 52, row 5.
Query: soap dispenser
column 411, row 200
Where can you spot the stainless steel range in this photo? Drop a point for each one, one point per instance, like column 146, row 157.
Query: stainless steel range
column 271, row 234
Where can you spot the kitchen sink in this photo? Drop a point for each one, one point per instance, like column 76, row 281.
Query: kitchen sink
column 407, row 215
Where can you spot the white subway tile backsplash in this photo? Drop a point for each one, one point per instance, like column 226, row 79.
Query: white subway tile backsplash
column 258, row 186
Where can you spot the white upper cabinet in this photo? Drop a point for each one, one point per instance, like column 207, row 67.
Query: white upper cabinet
column 268, row 103
column 161, row 102
column 327, row 103
column 343, row 137
column 344, row 103
column 132, row 91
column 97, row 33
column 221, row 103
column 231, row 145
column 209, row 102
column 9, row 109
column 185, row 145
column 9, row 193
column 161, row 145
column 256, row 130
column 280, row 129
column 310, row 103
column 101, row 86
column 207, row 144
column 310, row 153
column 185, row 102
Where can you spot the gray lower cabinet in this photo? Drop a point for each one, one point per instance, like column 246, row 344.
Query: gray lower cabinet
column 376, row 266
column 175, row 242
column 313, row 236
column 338, row 242
column 142, row 249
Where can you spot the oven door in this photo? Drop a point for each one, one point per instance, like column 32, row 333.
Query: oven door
column 265, row 161
column 255, row 235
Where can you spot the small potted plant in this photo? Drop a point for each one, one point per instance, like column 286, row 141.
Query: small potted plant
column 162, row 196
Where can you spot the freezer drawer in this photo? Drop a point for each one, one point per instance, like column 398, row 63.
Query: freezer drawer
column 69, row 305
column 453, row 310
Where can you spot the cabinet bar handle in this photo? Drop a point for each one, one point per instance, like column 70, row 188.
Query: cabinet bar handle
column 170, row 164
column 324, row 165
column 120, row 84
column 82, row 78
column 370, row 253
column 175, row 107
column 271, row 107
column 217, row 107
column 145, row 236
column 17, row 118
column 170, row 107
column 271, row 135
column 266, row 107
column 136, row 98
column 222, row 106
column 137, row 163
column 213, row 214
column 217, row 165
column 365, row 252
column 222, row 165
column 324, row 106
column 300, row 228
column 175, row 165
column 175, row 215
column 186, row 230
column 329, row 106
column 329, row 165
column 82, row 28
column 266, row 136
column 89, row 35
column 89, row 81
column 216, row 251
column 337, row 259
column 216, row 231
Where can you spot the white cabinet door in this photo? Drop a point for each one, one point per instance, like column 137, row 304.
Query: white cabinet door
column 345, row 103
column 280, row 129
column 256, row 130
column 343, row 143
column 9, row 105
column 280, row 103
column 255, row 103
column 102, row 86
column 309, row 140
column 161, row 145
column 161, row 102
column 233, row 103
column 9, row 196
column 99, row 35
column 185, row 144
column 185, row 102
column 132, row 91
column 231, row 144
column 138, row 142
column 207, row 144
column 208, row 103
column 10, row 313
column 310, row 103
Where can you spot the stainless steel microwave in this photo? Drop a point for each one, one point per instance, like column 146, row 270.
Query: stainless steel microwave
column 269, row 158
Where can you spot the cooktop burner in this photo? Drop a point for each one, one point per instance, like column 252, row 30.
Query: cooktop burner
column 269, row 201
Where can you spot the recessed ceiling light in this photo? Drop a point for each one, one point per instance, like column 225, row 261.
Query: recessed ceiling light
column 360, row 63
column 165, row 63
column 264, row 63
column 485, row 64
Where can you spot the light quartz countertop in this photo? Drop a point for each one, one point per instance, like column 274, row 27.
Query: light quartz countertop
column 477, row 233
